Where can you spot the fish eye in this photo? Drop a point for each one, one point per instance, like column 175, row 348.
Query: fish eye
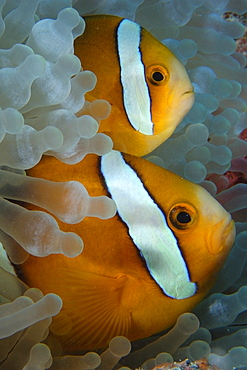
column 157, row 75
column 182, row 216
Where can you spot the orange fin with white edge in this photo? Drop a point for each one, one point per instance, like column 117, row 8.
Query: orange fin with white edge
column 92, row 312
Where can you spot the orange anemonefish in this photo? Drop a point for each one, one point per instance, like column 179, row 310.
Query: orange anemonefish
column 147, row 86
column 141, row 269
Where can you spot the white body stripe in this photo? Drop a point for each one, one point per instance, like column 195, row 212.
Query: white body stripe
column 135, row 90
column 147, row 227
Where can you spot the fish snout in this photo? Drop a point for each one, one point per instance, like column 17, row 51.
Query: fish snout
column 180, row 87
column 183, row 97
column 187, row 100
column 222, row 236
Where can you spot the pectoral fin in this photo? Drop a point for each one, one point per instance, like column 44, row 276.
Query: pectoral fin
column 93, row 311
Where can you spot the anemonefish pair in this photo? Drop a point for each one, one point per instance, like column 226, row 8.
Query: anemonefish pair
column 159, row 255
column 147, row 86
column 142, row 268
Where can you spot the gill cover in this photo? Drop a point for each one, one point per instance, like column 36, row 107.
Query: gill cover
column 147, row 227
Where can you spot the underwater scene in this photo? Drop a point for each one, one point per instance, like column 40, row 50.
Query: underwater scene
column 123, row 184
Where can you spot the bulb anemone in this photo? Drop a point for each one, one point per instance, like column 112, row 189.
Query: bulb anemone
column 42, row 87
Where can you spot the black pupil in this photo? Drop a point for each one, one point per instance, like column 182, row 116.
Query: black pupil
column 183, row 217
column 157, row 76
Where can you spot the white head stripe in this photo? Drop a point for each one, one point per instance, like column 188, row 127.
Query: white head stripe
column 135, row 90
column 147, row 227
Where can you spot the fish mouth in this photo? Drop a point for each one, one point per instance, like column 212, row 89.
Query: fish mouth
column 184, row 100
column 222, row 236
column 190, row 91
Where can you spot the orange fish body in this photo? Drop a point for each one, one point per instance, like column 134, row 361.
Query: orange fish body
column 118, row 285
column 148, row 88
